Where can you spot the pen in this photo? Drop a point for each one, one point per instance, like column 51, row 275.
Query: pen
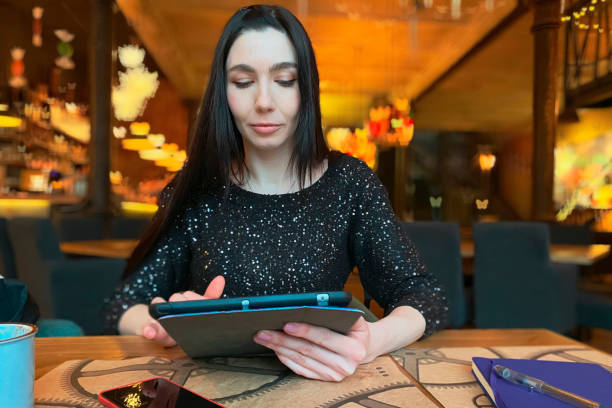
column 533, row 384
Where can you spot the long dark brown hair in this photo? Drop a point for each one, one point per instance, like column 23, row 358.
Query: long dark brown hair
column 216, row 150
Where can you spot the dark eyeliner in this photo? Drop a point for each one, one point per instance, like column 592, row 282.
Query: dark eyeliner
column 287, row 83
column 242, row 85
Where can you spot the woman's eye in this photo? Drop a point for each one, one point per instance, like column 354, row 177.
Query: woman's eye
column 243, row 84
column 287, row 83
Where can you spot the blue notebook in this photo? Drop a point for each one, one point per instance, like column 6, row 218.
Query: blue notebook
column 590, row 381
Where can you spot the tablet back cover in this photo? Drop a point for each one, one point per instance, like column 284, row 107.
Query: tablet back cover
column 231, row 333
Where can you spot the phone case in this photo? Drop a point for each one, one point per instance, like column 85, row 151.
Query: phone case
column 110, row 404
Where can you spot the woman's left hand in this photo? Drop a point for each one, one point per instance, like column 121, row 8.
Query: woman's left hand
column 319, row 353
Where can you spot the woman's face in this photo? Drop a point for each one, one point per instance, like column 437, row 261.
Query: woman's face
column 262, row 89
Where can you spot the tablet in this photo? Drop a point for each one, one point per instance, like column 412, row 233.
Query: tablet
column 336, row 299
column 225, row 327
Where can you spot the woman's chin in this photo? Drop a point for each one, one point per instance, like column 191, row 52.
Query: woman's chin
column 266, row 144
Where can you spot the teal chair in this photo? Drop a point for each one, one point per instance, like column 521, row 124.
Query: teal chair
column 595, row 310
column 7, row 259
column 128, row 228
column 515, row 284
column 570, row 234
column 58, row 328
column 17, row 306
column 72, row 289
column 439, row 244
column 79, row 227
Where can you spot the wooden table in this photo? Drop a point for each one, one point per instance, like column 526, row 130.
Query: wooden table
column 52, row 351
column 567, row 254
column 122, row 248
column 105, row 248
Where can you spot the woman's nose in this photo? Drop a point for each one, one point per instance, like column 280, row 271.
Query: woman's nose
column 263, row 101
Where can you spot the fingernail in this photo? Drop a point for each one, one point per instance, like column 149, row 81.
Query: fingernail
column 149, row 332
column 291, row 328
column 262, row 335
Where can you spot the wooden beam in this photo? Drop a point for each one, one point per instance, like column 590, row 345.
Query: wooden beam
column 547, row 14
column 100, row 101
column 160, row 41
column 518, row 11
column 591, row 93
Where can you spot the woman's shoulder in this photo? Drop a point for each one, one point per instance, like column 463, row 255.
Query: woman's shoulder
column 351, row 168
column 199, row 202
column 355, row 177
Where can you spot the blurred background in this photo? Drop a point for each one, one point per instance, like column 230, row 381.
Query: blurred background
column 469, row 111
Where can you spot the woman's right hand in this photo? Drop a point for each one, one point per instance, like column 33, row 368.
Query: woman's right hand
column 152, row 330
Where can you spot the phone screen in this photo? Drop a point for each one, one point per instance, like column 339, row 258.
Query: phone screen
column 157, row 392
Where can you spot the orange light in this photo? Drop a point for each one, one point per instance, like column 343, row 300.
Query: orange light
column 174, row 161
column 167, row 162
column 153, row 154
column 156, row 139
column 405, row 135
column 486, row 161
column 170, row 147
column 137, row 144
column 170, row 164
column 115, row 177
column 140, row 128
column 9, row 121
column 131, row 207
column 401, row 104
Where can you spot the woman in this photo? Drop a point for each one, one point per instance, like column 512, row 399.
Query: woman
column 263, row 207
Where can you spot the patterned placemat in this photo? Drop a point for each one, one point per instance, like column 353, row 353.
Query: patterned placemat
column 234, row 382
column 447, row 372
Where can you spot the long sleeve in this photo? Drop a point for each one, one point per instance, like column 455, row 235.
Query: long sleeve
column 162, row 273
column 389, row 265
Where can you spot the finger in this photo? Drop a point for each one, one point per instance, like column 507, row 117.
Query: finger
column 191, row 295
column 307, row 366
column 295, row 347
column 215, row 288
column 296, row 368
column 345, row 345
column 148, row 330
column 177, row 297
column 152, row 330
column 360, row 327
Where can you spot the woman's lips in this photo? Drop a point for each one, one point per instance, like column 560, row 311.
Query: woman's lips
column 265, row 128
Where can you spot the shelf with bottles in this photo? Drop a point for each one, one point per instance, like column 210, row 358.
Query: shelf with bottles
column 76, row 156
column 56, row 142
column 11, row 154
column 66, row 118
column 19, row 156
column 37, row 158
column 40, row 176
column 31, row 166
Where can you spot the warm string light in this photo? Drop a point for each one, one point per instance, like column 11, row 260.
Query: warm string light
column 356, row 144
column 391, row 125
column 577, row 15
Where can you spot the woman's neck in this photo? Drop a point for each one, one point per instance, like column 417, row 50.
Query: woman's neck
column 269, row 172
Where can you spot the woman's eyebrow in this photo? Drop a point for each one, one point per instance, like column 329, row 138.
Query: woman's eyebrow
column 283, row 65
column 279, row 66
column 242, row 68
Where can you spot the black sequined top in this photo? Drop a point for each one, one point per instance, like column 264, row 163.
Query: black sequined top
column 288, row 243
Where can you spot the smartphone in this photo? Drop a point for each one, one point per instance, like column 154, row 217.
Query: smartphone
column 321, row 299
column 156, row 392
